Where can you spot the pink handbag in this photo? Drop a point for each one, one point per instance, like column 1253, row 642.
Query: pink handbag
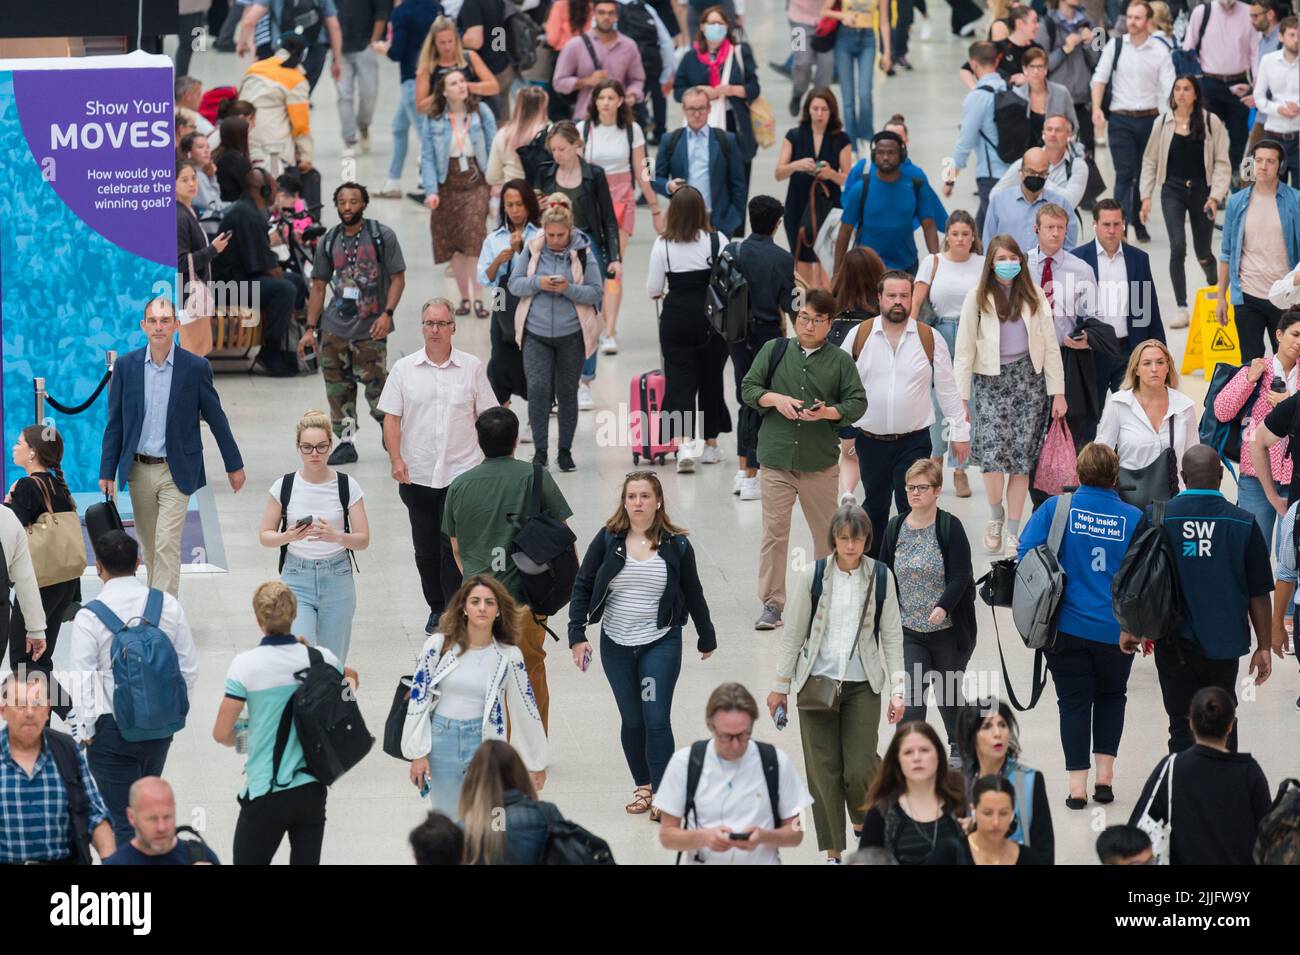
column 1057, row 460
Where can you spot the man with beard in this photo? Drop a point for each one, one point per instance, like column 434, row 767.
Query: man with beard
column 362, row 263
column 899, row 360
column 602, row 53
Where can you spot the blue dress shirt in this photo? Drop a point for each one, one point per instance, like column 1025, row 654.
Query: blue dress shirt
column 157, row 392
column 697, row 156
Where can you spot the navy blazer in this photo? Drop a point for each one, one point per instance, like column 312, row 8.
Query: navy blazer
column 192, row 396
column 726, row 179
column 691, row 72
column 1144, row 307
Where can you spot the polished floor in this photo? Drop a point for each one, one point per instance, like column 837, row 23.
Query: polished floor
column 372, row 809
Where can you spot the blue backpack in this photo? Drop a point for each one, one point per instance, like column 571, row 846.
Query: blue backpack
column 1225, row 436
column 150, row 700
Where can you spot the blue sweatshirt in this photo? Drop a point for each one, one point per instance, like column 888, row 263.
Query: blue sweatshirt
column 1097, row 534
column 552, row 314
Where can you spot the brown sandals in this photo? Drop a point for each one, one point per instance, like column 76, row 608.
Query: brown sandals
column 640, row 803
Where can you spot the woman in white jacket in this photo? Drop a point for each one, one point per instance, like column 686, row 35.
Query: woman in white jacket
column 469, row 680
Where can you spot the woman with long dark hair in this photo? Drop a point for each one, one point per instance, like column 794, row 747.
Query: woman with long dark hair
column 1187, row 158
column 856, row 299
column 638, row 580
column 232, row 157
column 915, row 800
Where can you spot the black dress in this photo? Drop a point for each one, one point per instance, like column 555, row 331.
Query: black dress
column 913, row 843
column 694, row 357
column 28, row 503
column 796, row 196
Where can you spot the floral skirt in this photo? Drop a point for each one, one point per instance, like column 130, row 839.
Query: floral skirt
column 1011, row 412
column 459, row 224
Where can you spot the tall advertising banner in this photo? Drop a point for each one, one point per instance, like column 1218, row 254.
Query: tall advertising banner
column 87, row 234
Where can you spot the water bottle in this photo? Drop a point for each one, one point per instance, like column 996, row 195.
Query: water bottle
column 241, row 734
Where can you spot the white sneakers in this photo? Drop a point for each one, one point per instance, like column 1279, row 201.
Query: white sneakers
column 685, row 462
column 584, row 397
column 608, row 346
column 711, row 455
column 392, row 190
column 1182, row 318
column 993, row 537
column 848, row 497
column 749, row 489
column 737, row 482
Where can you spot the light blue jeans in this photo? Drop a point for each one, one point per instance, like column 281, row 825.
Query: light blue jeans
column 327, row 598
column 856, row 48
column 404, row 119
column 454, row 745
column 1250, row 496
column 946, row 327
column 589, row 366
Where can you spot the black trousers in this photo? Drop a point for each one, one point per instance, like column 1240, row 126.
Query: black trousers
column 934, row 659
column 439, row 576
column 1223, row 103
column 694, row 373
column 279, row 297
column 1181, row 203
column 1183, row 668
column 1128, row 139
column 55, row 599
column 1256, row 320
column 1087, row 135
column 964, row 12
column 742, row 357
column 264, row 821
column 1091, row 694
column 655, row 98
column 882, row 465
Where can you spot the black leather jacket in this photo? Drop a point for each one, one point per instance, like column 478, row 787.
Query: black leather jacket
column 597, row 207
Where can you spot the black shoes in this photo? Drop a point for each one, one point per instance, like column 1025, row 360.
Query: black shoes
column 540, row 458
column 344, row 453
column 565, row 460
column 276, row 364
column 796, row 101
column 1074, row 802
column 1104, row 794
column 1142, row 234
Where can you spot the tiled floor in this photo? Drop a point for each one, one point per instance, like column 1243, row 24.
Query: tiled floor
column 372, row 809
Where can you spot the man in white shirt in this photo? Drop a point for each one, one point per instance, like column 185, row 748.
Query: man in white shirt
column 1277, row 96
column 899, row 361
column 115, row 761
column 1067, row 169
column 16, row 570
column 430, row 402
column 1065, row 280
column 1140, row 85
column 728, row 819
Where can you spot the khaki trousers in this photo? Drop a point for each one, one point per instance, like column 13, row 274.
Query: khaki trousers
column 840, row 758
column 159, row 509
column 532, row 641
column 817, row 494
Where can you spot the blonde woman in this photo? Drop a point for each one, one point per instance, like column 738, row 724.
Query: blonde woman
column 469, row 680
column 1008, row 367
column 307, row 521
column 442, row 52
column 527, row 119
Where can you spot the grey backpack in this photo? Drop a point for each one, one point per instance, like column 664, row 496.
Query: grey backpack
column 1040, row 583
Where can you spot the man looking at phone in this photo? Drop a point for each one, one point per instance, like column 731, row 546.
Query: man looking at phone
column 706, row 158
column 362, row 262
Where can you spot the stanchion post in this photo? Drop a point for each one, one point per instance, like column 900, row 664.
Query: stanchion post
column 38, row 386
column 110, row 359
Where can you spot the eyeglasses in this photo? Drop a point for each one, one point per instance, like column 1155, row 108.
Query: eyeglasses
column 732, row 737
column 438, row 325
column 322, row 448
column 812, row 320
column 917, row 488
column 695, row 109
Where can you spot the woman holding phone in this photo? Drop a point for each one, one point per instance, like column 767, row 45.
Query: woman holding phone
column 638, row 580
column 315, row 547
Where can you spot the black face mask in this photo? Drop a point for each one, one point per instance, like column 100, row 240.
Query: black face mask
column 1035, row 183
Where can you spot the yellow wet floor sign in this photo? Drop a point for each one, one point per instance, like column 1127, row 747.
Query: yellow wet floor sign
column 1208, row 342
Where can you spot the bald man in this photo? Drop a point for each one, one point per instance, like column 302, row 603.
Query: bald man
column 151, row 810
column 1014, row 211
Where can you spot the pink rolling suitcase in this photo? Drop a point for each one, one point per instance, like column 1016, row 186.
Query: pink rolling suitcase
column 645, row 421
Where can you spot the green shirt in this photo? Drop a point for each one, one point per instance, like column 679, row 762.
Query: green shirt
column 830, row 374
column 476, row 514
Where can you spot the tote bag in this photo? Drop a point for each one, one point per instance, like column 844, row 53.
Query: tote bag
column 1057, row 461
column 56, row 544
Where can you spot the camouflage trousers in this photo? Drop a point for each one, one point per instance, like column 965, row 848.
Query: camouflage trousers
column 346, row 364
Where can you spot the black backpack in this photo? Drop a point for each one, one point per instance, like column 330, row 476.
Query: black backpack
column 636, row 23
column 567, row 843
column 695, row 769
column 1277, row 842
column 523, row 36
column 286, row 492
column 545, row 551
column 726, row 301
column 63, row 750
column 301, row 17
column 323, row 710
column 1145, row 594
column 1011, row 117
column 376, row 237
column 862, row 200
column 1225, row 436
column 533, row 155
column 561, row 105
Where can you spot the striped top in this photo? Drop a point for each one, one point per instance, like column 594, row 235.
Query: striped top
column 632, row 603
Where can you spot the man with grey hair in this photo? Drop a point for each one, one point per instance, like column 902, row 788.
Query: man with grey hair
column 151, row 810
column 706, row 158
column 189, row 94
column 430, row 402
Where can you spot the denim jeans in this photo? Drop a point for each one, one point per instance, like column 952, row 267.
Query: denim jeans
column 404, row 119
column 946, row 327
column 589, row 365
column 1128, row 138
column 327, row 598
column 643, row 679
column 856, row 48
column 1250, row 497
column 454, row 745
column 116, row 763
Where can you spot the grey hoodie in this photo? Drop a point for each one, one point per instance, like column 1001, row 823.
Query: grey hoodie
column 552, row 314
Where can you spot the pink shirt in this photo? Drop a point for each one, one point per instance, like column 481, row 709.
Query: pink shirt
column 1230, row 400
column 438, row 405
column 621, row 60
column 1230, row 46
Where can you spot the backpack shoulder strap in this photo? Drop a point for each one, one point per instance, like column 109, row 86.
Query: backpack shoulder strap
column 721, row 136
column 1205, row 22
column 1057, row 530
column 106, row 616
column 674, row 138
column 882, row 585
column 535, row 494
column 63, row 751
column 771, row 776
column 286, row 493
column 694, row 770
column 345, row 498
column 866, row 185
column 330, row 238
column 819, row 571
column 862, row 333
column 591, row 50
column 715, row 244
column 630, row 146
column 943, row 529
column 774, row 361
column 281, row 740
column 1024, row 786
column 153, row 606
column 927, row 341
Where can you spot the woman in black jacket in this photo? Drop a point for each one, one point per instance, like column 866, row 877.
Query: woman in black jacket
column 232, row 157
column 193, row 251
column 1219, row 797
column 929, row 553
column 638, row 580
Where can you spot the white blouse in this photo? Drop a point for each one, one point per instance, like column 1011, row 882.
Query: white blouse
column 668, row 257
column 1126, row 428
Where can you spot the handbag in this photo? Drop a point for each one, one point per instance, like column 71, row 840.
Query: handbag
column 1160, row 831
column 57, row 546
column 1158, row 481
column 396, row 721
column 196, row 315
column 762, row 118
column 997, row 588
column 823, row 38
column 1057, row 461
column 821, row 694
column 814, row 216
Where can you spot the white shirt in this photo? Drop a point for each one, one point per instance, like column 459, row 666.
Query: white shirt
column 22, row 575
column 316, row 500
column 668, row 256
column 898, row 383
column 1144, row 78
column 606, row 146
column 1278, row 82
column 1112, row 289
column 438, row 405
column 732, row 794
column 955, row 279
column 1126, row 427
column 464, row 689
column 833, row 656
column 90, row 671
column 1284, row 293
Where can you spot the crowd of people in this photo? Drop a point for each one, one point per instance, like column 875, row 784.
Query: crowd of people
column 1010, row 345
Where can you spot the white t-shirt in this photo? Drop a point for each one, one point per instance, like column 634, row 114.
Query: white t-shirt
column 463, row 690
column 732, row 794
column 606, row 146
column 316, row 500
column 955, row 280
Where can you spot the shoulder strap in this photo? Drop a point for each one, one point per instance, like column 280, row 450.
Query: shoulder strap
column 106, row 616
column 774, row 360
column 927, row 341
column 819, row 571
column 630, row 147
column 1205, row 22
column 862, row 333
column 721, row 136
column 714, row 244
column 694, row 769
column 590, row 49
column 281, row 740
column 1025, row 799
column 882, row 585
column 345, row 498
column 286, row 493
column 535, row 495
column 772, row 776
column 64, row 753
column 330, row 238
column 196, row 849
column 674, row 138
column 1057, row 530
column 866, row 184
column 943, row 529
column 153, row 606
